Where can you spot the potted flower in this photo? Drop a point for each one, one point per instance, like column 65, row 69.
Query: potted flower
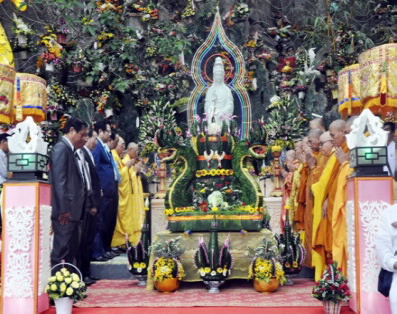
column 76, row 60
column 65, row 287
column 332, row 289
column 167, row 268
column 266, row 268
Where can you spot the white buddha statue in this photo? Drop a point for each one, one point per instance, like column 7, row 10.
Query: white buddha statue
column 219, row 98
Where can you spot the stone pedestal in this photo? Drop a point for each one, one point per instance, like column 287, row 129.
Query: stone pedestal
column 368, row 197
column 26, row 247
column 273, row 205
column 158, row 219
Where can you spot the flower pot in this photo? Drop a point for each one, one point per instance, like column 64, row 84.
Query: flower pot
column 108, row 113
column 64, row 305
column 263, row 286
column 61, row 38
column 331, row 307
column 77, row 68
column 49, row 67
column 167, row 285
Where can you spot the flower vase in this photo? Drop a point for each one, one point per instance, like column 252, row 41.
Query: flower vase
column 213, row 285
column 64, row 305
column 49, row 67
column 264, row 286
column 331, row 307
column 276, row 169
column 141, row 280
column 167, row 285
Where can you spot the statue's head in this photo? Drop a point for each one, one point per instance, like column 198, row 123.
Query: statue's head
column 219, row 70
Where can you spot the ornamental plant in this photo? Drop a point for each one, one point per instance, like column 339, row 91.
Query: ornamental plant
column 138, row 257
column 332, row 286
column 167, row 263
column 66, row 284
column 266, row 262
column 212, row 264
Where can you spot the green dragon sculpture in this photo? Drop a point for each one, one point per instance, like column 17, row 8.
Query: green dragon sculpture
column 212, row 179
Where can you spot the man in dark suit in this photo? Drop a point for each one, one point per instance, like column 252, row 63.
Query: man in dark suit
column 68, row 192
column 107, row 216
column 93, row 201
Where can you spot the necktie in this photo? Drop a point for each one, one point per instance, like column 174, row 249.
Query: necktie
column 115, row 168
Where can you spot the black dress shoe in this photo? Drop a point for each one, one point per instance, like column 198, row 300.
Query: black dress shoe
column 100, row 259
column 88, row 281
column 108, row 255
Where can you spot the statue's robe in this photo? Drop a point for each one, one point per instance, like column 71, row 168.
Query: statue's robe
column 339, row 219
column 293, row 199
column 287, row 188
column 131, row 204
column 323, row 189
column 313, row 176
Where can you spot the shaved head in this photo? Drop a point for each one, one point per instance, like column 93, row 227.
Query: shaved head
column 314, row 139
column 326, row 143
column 132, row 150
column 337, row 131
column 317, row 123
column 290, row 155
column 349, row 124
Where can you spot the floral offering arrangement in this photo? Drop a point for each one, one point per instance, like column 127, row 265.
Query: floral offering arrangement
column 66, row 284
column 138, row 258
column 213, row 265
column 332, row 286
column 266, row 263
column 167, row 263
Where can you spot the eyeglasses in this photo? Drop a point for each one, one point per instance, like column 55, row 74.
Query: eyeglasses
column 322, row 143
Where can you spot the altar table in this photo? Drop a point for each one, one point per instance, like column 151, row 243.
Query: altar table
column 239, row 243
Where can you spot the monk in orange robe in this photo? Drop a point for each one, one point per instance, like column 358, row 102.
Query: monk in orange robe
column 300, row 196
column 313, row 159
column 324, row 192
column 339, row 223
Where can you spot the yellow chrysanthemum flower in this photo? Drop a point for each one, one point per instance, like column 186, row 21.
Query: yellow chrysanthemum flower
column 62, row 287
column 60, row 278
column 68, row 280
column 215, row 209
column 53, row 278
column 54, row 287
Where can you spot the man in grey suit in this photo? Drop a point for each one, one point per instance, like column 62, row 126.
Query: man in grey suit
column 68, row 192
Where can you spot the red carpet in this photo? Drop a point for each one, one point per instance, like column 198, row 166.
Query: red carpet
column 236, row 296
column 125, row 293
